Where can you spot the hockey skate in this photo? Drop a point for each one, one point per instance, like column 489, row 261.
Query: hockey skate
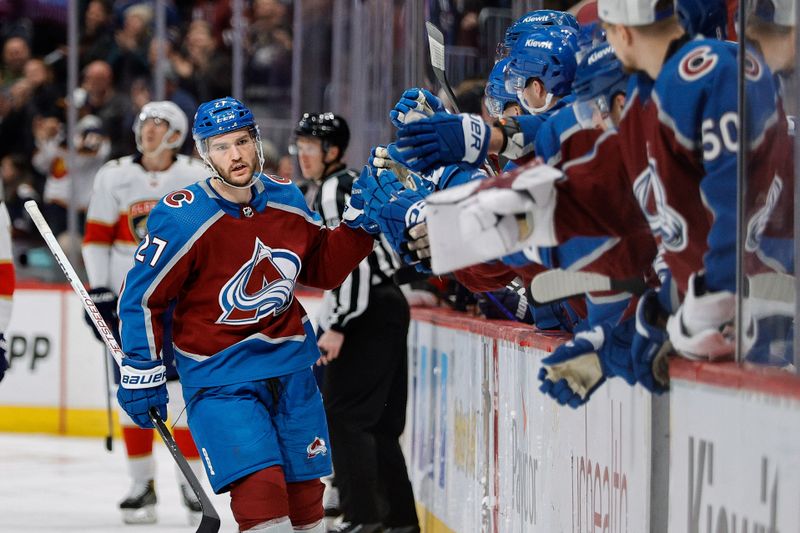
column 330, row 501
column 140, row 505
column 192, row 504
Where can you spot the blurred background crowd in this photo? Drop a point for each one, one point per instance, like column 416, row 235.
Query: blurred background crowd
column 287, row 56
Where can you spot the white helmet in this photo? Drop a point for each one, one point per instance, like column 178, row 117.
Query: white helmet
column 779, row 12
column 176, row 119
column 632, row 12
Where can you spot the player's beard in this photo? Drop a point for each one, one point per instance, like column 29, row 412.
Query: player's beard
column 236, row 176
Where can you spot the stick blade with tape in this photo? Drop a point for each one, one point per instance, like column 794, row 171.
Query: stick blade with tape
column 436, row 44
column 554, row 285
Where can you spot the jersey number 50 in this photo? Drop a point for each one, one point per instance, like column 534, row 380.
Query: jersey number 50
column 714, row 139
column 160, row 244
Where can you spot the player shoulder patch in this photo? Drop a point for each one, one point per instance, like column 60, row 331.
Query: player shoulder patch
column 697, row 63
column 752, row 67
column 179, row 198
column 278, row 179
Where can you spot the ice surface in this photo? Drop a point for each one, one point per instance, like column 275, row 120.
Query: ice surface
column 51, row 484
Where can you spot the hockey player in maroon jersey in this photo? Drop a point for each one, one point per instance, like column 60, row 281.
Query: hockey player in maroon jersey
column 226, row 252
column 679, row 159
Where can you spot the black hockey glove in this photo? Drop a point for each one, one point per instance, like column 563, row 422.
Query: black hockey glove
column 106, row 302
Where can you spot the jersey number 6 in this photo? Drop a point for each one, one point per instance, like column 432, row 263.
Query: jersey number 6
column 160, row 244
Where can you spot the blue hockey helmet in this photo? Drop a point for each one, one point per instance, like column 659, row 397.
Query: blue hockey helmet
column 497, row 98
column 599, row 78
column 708, row 18
column 531, row 21
column 589, row 36
column 221, row 116
column 545, row 54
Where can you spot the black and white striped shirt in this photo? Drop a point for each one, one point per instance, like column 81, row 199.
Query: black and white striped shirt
column 351, row 299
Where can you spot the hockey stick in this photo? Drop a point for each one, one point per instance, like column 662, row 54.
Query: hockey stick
column 557, row 284
column 210, row 521
column 436, row 45
column 110, row 436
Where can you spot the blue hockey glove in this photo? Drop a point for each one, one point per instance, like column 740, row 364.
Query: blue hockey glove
column 415, row 104
column 455, row 175
column 443, row 139
column 577, row 368
column 650, row 346
column 106, row 303
column 143, row 385
column 354, row 216
column 3, row 360
column 377, row 192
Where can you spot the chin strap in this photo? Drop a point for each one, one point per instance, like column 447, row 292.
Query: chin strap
column 532, row 109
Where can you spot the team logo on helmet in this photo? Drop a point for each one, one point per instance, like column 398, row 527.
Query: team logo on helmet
column 317, row 447
column 263, row 286
column 664, row 221
column 137, row 217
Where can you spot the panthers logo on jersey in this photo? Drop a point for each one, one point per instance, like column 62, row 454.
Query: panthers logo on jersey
column 137, row 217
column 263, row 286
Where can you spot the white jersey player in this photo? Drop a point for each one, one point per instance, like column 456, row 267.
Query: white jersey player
column 6, row 281
column 125, row 190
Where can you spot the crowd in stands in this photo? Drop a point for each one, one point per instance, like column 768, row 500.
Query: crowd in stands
column 118, row 54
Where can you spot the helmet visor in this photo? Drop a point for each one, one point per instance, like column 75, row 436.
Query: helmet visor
column 515, row 80
column 593, row 113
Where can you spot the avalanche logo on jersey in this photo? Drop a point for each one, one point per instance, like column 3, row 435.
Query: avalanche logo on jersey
column 137, row 217
column 664, row 221
column 317, row 447
column 758, row 222
column 263, row 286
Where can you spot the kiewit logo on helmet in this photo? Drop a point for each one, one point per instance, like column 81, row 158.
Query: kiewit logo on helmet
column 533, row 43
column 264, row 285
column 600, row 54
column 317, row 447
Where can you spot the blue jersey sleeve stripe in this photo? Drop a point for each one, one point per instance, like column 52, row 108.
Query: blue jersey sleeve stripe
column 670, row 122
column 308, row 216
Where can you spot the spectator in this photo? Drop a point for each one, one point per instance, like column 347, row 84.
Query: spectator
column 92, row 148
column 100, row 99
column 269, row 71
column 16, row 53
column 205, row 70
column 97, row 39
column 128, row 56
column 17, row 185
column 172, row 88
column 15, row 118
column 44, row 93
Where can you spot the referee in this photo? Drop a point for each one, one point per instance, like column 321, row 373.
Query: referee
column 364, row 325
